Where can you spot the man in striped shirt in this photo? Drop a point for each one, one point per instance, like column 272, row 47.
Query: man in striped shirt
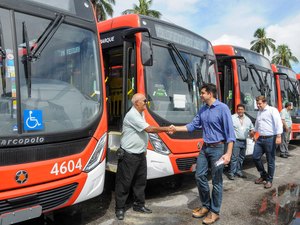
column 242, row 128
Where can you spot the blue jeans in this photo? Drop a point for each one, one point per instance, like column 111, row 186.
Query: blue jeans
column 265, row 146
column 237, row 157
column 209, row 155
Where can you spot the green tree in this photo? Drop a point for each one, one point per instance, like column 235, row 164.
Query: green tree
column 262, row 43
column 103, row 8
column 283, row 55
column 143, row 8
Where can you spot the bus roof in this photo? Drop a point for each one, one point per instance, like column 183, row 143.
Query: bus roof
column 80, row 9
column 249, row 55
column 159, row 29
column 283, row 69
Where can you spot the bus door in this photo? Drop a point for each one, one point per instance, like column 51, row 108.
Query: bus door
column 120, row 59
column 226, row 81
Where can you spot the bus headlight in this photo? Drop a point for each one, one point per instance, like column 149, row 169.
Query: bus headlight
column 158, row 144
column 96, row 156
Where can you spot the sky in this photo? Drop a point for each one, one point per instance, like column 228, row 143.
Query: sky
column 232, row 21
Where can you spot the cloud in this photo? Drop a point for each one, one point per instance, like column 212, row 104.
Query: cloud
column 232, row 23
column 288, row 32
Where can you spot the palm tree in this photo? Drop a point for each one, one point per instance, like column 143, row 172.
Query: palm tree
column 262, row 42
column 283, row 55
column 103, row 8
column 143, row 9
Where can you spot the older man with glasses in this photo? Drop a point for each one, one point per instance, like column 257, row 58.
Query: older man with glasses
column 132, row 167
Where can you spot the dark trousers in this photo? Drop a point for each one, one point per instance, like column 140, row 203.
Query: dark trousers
column 131, row 172
column 237, row 157
column 265, row 146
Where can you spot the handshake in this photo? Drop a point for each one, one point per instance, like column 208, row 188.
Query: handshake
column 171, row 129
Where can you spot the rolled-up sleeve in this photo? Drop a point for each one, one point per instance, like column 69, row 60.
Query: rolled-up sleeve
column 195, row 124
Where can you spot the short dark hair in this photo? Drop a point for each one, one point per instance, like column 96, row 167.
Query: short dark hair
column 240, row 105
column 210, row 88
column 262, row 98
column 287, row 104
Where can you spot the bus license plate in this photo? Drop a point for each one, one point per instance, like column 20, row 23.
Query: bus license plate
column 20, row 215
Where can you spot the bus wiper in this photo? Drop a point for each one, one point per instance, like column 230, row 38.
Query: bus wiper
column 45, row 37
column 262, row 87
column 3, row 57
column 26, row 60
column 177, row 66
column 200, row 80
column 190, row 77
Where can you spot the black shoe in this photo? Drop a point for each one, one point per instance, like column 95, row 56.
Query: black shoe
column 141, row 209
column 283, row 156
column 240, row 175
column 120, row 214
column 230, row 177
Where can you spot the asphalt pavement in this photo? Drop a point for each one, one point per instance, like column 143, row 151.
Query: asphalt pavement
column 172, row 200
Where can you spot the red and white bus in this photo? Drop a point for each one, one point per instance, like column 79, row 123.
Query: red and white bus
column 244, row 75
column 168, row 64
column 288, row 90
column 53, row 126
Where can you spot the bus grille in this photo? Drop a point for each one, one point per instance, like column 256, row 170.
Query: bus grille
column 185, row 163
column 47, row 199
column 35, row 153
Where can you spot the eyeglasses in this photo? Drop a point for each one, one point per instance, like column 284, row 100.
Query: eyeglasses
column 145, row 100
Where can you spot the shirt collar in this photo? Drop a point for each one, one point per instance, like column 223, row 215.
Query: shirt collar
column 266, row 108
column 217, row 102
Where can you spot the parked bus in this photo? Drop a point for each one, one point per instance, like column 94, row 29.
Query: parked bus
column 53, row 128
column 168, row 64
column 244, row 75
column 288, row 90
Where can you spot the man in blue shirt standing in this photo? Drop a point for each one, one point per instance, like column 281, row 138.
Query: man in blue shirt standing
column 215, row 120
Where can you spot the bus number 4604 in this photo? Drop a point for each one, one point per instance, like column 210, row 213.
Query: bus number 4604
column 66, row 166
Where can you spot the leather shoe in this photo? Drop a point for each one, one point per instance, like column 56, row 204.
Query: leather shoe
column 120, row 214
column 241, row 175
column 200, row 212
column 141, row 209
column 230, row 177
column 283, row 156
column 211, row 218
column 268, row 185
column 260, row 180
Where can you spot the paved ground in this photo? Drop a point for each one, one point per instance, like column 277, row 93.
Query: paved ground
column 172, row 200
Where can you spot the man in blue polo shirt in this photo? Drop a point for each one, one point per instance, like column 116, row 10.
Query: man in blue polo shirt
column 215, row 119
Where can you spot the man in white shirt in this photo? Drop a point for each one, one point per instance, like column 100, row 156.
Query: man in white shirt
column 287, row 124
column 268, row 125
column 242, row 128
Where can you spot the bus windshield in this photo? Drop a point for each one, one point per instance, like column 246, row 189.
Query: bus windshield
column 259, row 81
column 172, row 95
column 290, row 91
column 63, row 83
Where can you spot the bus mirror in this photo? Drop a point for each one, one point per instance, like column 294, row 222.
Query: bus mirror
column 147, row 53
column 244, row 73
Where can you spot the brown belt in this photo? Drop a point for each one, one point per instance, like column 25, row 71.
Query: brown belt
column 213, row 144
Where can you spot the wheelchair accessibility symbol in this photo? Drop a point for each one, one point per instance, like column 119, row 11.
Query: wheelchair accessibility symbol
column 33, row 120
